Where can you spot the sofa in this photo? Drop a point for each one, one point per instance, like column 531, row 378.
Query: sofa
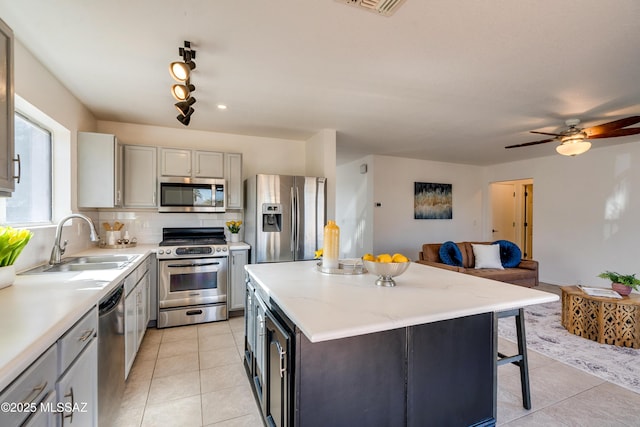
column 524, row 274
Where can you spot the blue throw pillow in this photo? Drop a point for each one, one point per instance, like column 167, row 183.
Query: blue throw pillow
column 510, row 253
column 450, row 254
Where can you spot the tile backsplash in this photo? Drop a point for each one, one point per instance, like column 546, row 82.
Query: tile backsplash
column 146, row 226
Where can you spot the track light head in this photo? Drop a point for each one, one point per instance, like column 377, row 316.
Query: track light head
column 182, row 92
column 181, row 71
column 184, row 106
column 186, row 118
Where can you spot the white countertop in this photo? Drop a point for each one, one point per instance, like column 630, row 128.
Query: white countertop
column 331, row 306
column 38, row 308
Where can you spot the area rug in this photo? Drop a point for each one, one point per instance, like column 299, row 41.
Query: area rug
column 546, row 335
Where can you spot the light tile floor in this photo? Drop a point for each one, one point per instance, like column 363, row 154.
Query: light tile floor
column 193, row 376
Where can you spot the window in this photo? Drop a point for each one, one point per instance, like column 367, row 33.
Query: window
column 31, row 202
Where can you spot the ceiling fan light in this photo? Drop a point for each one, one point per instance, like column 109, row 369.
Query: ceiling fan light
column 573, row 147
column 182, row 92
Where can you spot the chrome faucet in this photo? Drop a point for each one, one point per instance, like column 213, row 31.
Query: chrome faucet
column 58, row 249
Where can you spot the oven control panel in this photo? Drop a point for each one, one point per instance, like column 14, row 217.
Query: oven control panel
column 192, row 251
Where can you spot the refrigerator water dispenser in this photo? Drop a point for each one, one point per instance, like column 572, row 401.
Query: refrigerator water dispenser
column 271, row 217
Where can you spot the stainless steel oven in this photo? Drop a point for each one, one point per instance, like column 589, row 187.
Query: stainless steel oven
column 192, row 280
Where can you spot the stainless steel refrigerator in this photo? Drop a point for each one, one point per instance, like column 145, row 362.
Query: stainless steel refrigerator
column 284, row 217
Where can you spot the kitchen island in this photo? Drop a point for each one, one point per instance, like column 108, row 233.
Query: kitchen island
column 326, row 349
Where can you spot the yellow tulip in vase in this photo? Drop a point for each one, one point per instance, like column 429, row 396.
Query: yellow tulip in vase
column 12, row 242
column 234, row 229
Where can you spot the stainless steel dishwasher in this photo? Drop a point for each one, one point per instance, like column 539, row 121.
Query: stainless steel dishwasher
column 110, row 356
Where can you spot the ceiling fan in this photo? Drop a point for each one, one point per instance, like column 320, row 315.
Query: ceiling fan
column 574, row 139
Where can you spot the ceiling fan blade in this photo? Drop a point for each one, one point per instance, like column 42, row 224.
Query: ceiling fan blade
column 616, row 133
column 526, row 144
column 611, row 126
column 545, row 133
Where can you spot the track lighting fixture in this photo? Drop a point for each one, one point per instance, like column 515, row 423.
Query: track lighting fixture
column 181, row 72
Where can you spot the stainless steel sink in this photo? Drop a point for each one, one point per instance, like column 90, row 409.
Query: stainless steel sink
column 83, row 263
column 102, row 259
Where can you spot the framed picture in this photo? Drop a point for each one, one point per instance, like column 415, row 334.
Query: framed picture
column 432, row 201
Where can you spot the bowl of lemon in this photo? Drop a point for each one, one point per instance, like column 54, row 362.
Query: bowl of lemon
column 386, row 267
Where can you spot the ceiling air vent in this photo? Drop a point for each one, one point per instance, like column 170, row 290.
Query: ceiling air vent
column 382, row 7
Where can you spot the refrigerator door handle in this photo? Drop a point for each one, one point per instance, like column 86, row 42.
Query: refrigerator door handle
column 297, row 221
column 293, row 221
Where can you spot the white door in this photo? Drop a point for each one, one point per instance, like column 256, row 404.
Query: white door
column 503, row 208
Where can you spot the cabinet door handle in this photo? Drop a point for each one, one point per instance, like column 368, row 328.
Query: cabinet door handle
column 17, row 160
column 34, row 393
column 281, row 354
column 86, row 335
column 70, row 415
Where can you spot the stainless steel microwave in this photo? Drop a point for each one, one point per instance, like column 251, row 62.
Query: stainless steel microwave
column 192, row 195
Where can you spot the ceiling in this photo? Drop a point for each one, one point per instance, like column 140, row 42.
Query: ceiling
column 451, row 81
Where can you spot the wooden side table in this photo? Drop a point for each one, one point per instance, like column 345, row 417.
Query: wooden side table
column 605, row 320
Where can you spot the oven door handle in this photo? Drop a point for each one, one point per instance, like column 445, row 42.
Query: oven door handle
column 192, row 265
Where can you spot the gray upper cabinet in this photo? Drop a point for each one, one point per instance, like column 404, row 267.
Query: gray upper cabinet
column 233, row 177
column 7, row 181
column 175, row 162
column 191, row 163
column 99, row 171
column 208, row 164
column 140, row 172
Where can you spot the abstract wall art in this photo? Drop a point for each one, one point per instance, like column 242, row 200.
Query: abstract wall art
column 432, row 201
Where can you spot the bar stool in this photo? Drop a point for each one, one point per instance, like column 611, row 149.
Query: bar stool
column 519, row 359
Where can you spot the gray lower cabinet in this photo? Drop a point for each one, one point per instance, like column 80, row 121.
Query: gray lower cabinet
column 35, row 384
column 61, row 387
column 77, row 390
column 136, row 311
column 44, row 418
column 239, row 258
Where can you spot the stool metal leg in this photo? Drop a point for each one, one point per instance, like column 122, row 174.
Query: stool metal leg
column 519, row 359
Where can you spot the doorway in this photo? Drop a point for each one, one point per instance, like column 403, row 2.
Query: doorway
column 512, row 213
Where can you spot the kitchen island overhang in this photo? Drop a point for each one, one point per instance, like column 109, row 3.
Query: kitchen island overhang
column 421, row 353
column 328, row 306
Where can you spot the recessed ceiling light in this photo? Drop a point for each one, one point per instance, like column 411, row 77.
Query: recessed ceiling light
column 222, row 107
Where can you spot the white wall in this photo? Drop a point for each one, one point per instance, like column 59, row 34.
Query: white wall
column 354, row 215
column 38, row 87
column 586, row 211
column 259, row 154
column 391, row 183
column 321, row 161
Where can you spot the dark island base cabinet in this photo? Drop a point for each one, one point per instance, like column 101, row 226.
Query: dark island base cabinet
column 451, row 373
column 436, row 374
column 358, row 381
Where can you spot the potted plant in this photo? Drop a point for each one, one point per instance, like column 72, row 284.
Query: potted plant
column 234, row 229
column 621, row 283
column 12, row 242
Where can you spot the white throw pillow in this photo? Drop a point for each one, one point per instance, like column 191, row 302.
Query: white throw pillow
column 487, row 256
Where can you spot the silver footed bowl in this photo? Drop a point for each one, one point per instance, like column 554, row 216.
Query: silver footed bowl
column 386, row 271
